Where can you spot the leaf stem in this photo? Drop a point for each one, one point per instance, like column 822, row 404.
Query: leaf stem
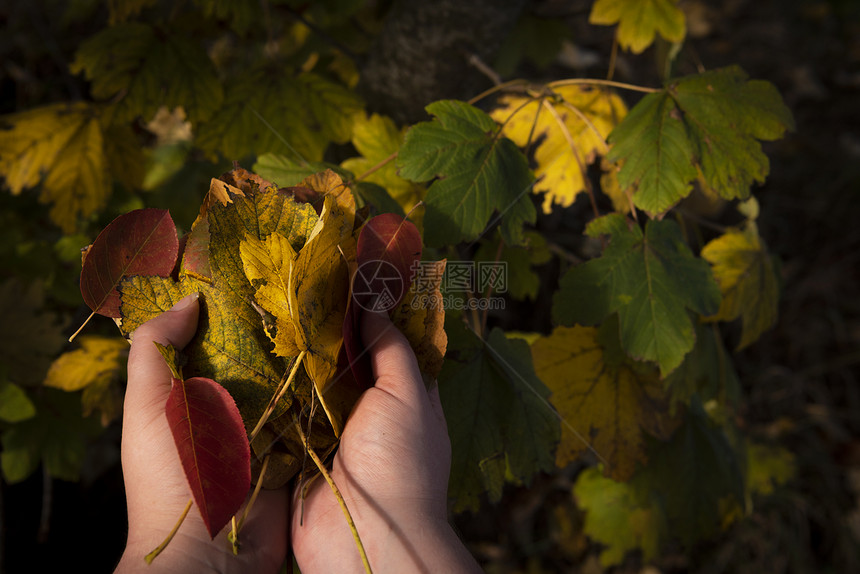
column 234, row 535
column 270, row 408
column 339, row 498
column 378, row 166
column 494, row 89
column 160, row 548
column 598, row 82
column 81, row 328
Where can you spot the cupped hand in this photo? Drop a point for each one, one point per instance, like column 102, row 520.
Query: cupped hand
column 392, row 469
column 155, row 484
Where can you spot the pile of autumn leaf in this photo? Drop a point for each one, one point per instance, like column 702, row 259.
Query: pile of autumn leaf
column 274, row 270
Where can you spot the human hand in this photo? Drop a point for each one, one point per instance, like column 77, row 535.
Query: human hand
column 155, row 484
column 392, row 470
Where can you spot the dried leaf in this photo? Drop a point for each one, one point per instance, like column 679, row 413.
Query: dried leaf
column 142, row 242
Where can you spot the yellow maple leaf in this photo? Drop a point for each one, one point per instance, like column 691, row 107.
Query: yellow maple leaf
column 62, row 147
column 607, row 409
column 640, row 20
column 270, row 262
column 568, row 130
column 748, row 281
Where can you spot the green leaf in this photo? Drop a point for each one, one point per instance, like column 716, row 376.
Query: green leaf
column 653, row 142
column 142, row 69
column 707, row 371
column 708, row 123
column 498, row 415
column 522, row 282
column 748, row 281
column 695, row 474
column 33, row 336
column 639, row 21
column 56, row 437
column 619, row 517
column 650, row 280
column 15, row 405
column 284, row 172
column 266, row 110
column 478, row 172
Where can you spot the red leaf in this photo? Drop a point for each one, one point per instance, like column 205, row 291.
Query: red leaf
column 212, row 444
column 388, row 249
column 141, row 242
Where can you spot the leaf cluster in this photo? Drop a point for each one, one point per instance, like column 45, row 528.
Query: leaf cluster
column 626, row 364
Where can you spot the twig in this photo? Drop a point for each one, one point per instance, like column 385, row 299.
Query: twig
column 338, row 496
column 160, row 548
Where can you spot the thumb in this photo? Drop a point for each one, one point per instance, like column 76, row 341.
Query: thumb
column 395, row 367
column 146, row 366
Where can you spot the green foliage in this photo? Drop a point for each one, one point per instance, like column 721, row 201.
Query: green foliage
column 650, row 279
column 631, row 368
column 474, row 170
column 504, row 423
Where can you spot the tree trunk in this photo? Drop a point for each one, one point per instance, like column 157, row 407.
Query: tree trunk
column 423, row 53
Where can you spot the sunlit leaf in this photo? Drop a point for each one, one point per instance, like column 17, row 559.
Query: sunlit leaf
column 210, row 437
column 377, row 139
column 708, row 123
column 98, row 359
column 62, row 147
column 567, row 132
column 650, row 279
column 606, row 408
column 142, row 242
column 639, row 21
column 479, row 172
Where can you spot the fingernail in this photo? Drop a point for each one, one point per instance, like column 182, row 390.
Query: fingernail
column 185, row 302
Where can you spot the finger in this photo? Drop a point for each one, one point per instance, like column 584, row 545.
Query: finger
column 146, row 366
column 393, row 360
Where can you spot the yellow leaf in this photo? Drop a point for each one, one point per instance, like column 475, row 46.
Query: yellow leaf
column 605, row 408
column 60, row 146
column 320, row 278
column 377, row 138
column 640, row 20
column 569, row 131
column 269, row 262
column 748, row 281
column 97, row 359
column 421, row 318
